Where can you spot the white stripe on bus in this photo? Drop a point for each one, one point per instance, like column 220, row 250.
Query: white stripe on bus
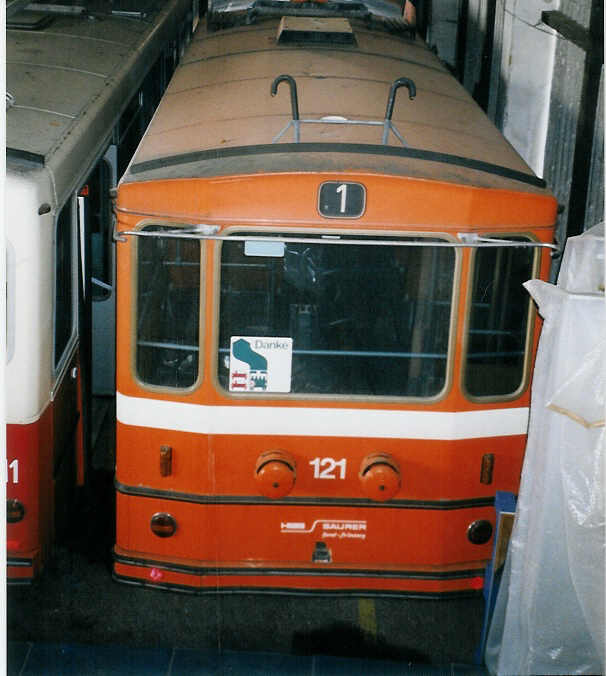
column 320, row 422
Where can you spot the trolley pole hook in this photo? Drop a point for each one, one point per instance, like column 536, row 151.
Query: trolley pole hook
column 412, row 92
column 294, row 101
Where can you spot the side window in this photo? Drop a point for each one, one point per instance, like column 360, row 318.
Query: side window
column 498, row 322
column 130, row 130
column 196, row 15
column 153, row 88
column 141, row 108
column 168, row 310
column 65, row 257
column 171, row 58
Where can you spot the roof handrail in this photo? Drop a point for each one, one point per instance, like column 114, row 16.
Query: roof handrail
column 386, row 123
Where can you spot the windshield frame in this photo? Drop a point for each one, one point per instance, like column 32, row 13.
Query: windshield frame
column 332, row 233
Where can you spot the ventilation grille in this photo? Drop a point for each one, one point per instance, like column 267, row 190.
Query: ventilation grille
column 314, row 30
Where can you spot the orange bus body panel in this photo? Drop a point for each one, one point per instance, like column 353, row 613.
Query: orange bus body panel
column 396, row 201
column 223, row 465
column 194, row 455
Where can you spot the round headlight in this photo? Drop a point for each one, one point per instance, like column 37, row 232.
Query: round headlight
column 163, row 525
column 479, row 532
column 15, row 511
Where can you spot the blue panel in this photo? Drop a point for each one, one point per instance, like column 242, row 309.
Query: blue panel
column 239, row 664
column 52, row 659
column 341, row 666
column 99, row 660
column 504, row 502
column 16, row 653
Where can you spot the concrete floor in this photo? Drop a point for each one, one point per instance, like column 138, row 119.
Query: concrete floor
column 75, row 601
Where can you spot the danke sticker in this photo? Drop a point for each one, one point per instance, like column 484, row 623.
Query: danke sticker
column 260, row 364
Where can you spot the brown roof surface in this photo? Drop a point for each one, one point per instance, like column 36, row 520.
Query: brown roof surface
column 219, row 100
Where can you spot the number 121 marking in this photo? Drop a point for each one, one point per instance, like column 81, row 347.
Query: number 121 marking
column 325, row 468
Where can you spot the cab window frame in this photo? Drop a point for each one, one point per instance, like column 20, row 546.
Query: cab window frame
column 201, row 332
column 530, row 318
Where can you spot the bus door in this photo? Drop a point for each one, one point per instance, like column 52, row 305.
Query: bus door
column 66, row 407
column 96, row 215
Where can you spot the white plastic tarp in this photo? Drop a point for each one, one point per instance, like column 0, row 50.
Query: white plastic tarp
column 549, row 614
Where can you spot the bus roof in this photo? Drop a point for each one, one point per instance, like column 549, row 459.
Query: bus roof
column 219, row 118
column 68, row 78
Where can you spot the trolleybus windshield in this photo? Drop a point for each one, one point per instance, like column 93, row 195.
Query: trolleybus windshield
column 354, row 319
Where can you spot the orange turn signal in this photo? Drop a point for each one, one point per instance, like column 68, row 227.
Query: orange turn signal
column 380, row 476
column 275, row 473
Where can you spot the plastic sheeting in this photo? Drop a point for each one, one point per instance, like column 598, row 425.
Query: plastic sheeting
column 549, row 614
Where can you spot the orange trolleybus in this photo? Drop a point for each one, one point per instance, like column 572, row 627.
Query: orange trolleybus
column 323, row 344
column 82, row 85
